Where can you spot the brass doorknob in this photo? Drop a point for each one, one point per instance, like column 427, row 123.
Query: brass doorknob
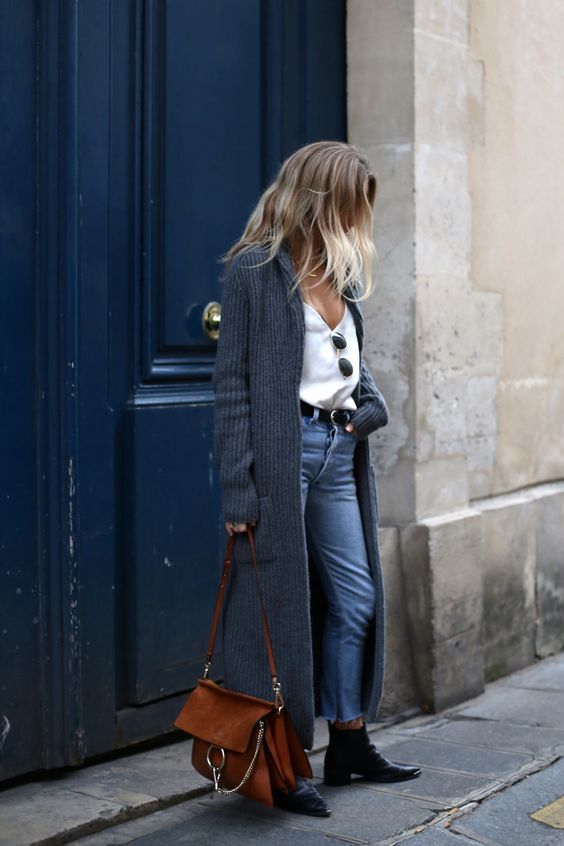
column 211, row 319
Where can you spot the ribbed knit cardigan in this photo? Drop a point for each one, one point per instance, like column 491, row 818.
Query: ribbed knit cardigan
column 257, row 448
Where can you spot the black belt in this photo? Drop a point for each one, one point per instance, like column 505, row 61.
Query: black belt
column 336, row 415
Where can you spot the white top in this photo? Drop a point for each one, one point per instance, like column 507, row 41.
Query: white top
column 322, row 382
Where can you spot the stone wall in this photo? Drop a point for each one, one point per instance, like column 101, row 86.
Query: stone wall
column 517, row 184
column 454, row 103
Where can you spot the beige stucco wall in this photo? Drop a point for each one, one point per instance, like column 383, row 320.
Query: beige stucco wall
column 457, row 104
column 516, row 180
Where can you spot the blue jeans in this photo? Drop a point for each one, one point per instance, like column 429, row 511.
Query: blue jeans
column 335, row 542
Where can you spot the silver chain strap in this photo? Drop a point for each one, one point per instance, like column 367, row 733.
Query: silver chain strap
column 217, row 770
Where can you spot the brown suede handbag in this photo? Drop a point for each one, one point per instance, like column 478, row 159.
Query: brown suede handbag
column 242, row 743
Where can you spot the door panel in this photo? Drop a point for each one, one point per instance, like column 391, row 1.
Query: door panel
column 196, row 82
column 207, row 97
column 21, row 579
column 209, row 87
column 172, row 521
column 138, row 138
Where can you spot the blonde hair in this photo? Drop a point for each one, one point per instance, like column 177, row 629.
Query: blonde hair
column 324, row 192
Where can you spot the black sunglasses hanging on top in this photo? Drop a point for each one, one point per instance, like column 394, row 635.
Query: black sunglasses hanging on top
column 340, row 343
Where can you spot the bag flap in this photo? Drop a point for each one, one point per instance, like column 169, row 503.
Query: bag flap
column 222, row 717
column 277, row 743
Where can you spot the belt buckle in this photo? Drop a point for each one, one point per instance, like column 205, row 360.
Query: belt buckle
column 340, row 416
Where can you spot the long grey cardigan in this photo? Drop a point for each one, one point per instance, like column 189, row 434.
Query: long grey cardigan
column 257, row 447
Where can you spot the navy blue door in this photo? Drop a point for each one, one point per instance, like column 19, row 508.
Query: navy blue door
column 139, row 136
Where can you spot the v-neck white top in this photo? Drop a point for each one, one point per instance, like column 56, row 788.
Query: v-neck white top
column 322, row 382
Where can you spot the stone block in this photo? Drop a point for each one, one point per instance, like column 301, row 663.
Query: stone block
column 508, row 531
column 442, row 575
column 396, row 492
column 441, row 486
column 546, row 674
column 481, row 434
column 444, row 19
column 509, row 704
column 437, row 788
column 441, row 103
column 37, row 813
column 488, row 730
column 507, row 817
column 380, row 81
column 549, row 539
column 445, row 755
column 394, row 216
column 400, row 686
column 444, row 215
column 522, row 421
column 461, row 330
column 438, row 835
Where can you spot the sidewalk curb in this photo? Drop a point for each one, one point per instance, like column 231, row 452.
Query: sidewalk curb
column 108, row 812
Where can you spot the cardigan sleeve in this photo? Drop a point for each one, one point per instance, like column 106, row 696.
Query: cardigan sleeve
column 372, row 411
column 232, row 427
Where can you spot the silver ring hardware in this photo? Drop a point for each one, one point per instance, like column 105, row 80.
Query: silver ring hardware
column 217, row 770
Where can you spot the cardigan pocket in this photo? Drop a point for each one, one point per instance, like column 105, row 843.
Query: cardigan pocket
column 264, row 535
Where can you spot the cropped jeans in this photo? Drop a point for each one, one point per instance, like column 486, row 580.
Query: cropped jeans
column 336, row 545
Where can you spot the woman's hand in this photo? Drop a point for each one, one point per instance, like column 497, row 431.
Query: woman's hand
column 237, row 527
column 350, row 428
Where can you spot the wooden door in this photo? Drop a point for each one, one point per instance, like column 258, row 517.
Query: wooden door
column 140, row 137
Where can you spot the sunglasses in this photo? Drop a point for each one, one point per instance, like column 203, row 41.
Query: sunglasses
column 340, row 343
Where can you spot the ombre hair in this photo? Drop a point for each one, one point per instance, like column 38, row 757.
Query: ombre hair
column 325, row 193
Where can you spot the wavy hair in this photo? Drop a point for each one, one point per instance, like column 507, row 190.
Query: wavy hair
column 320, row 206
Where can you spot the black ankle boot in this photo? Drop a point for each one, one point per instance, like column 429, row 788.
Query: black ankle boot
column 303, row 800
column 350, row 751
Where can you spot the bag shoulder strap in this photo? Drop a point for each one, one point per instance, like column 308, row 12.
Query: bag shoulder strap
column 219, row 602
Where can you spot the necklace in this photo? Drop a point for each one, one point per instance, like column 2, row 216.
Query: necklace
column 315, row 275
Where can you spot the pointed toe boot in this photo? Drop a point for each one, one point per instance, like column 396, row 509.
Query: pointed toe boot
column 350, row 752
column 303, row 800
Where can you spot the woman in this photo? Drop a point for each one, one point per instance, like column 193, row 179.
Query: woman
column 294, row 405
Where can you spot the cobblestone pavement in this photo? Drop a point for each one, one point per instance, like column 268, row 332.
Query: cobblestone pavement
column 492, row 774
